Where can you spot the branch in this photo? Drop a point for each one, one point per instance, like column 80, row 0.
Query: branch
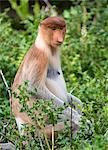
column 9, row 92
column 47, row 3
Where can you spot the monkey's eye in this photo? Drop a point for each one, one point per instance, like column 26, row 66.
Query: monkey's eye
column 53, row 28
column 61, row 28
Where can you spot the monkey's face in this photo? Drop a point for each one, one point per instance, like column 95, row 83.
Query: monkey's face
column 57, row 36
column 53, row 31
column 54, row 36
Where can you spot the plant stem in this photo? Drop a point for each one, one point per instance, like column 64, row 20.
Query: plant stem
column 9, row 92
column 46, row 140
column 41, row 143
column 52, row 137
column 42, row 129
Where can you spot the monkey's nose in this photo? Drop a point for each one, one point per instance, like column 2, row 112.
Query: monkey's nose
column 59, row 42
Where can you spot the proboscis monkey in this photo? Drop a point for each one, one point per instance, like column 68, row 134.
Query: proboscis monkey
column 42, row 68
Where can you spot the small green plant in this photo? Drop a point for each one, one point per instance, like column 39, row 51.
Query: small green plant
column 38, row 113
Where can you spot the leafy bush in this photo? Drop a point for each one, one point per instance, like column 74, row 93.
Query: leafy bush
column 84, row 63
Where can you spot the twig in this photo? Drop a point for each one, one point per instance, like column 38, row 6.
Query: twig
column 46, row 140
column 52, row 137
column 9, row 92
column 41, row 143
column 16, row 141
column 73, row 89
column 71, row 135
column 47, row 3
column 42, row 130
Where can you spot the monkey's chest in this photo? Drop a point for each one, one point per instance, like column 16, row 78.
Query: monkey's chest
column 53, row 73
column 56, row 84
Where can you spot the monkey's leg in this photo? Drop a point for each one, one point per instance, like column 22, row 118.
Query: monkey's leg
column 22, row 119
column 47, row 129
column 60, row 126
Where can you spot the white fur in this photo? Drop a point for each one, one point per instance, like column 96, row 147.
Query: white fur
column 57, row 87
column 40, row 43
column 20, row 126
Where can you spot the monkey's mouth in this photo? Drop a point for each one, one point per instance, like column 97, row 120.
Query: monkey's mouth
column 58, row 43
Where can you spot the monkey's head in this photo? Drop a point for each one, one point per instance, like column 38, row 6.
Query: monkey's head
column 53, row 30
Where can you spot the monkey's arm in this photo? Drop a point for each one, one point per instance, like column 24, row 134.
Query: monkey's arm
column 44, row 93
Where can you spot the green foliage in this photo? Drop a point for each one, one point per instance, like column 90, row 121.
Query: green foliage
column 22, row 9
column 84, row 64
column 42, row 113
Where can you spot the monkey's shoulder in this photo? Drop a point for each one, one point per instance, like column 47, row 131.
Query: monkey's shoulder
column 35, row 56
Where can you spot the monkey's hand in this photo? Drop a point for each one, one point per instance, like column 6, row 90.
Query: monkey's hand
column 75, row 102
column 44, row 93
column 73, row 116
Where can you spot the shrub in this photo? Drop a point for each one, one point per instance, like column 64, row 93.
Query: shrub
column 84, row 63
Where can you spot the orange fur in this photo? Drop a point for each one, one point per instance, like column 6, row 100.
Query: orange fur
column 56, row 22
